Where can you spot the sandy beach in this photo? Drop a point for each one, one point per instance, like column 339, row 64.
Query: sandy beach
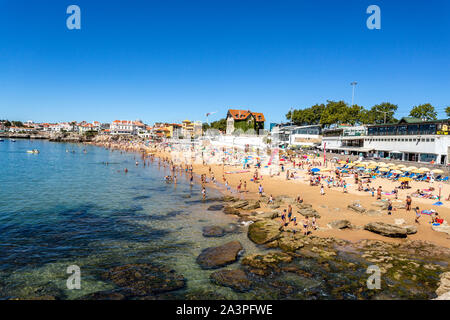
column 331, row 206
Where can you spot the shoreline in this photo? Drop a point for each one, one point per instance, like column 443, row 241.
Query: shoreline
column 325, row 205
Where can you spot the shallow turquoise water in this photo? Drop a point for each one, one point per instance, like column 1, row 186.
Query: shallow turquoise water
column 59, row 208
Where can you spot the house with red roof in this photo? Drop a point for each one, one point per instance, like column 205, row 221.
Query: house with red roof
column 244, row 120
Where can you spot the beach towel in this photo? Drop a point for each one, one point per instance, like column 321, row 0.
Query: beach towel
column 439, row 203
column 428, row 212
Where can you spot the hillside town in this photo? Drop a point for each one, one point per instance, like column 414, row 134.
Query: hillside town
column 408, row 139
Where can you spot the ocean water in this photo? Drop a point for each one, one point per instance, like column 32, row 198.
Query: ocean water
column 60, row 208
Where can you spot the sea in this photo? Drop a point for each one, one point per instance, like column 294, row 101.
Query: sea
column 73, row 204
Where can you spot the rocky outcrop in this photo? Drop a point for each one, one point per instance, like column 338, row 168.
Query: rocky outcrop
column 264, row 264
column 239, row 204
column 234, row 279
column 252, row 205
column 309, row 212
column 442, row 228
column 290, row 243
column 356, row 207
column 386, row 229
column 381, row 204
column 444, row 284
column 340, row 224
column 215, row 207
column 144, row 279
column 264, row 231
column 230, row 210
column 216, row 257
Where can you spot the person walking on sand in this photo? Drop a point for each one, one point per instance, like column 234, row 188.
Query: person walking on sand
column 379, row 193
column 389, row 207
column 260, row 190
column 408, row 203
column 322, row 191
column 270, row 200
column 417, row 210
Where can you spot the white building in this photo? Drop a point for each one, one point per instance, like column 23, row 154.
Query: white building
column 126, row 127
column 291, row 135
column 410, row 139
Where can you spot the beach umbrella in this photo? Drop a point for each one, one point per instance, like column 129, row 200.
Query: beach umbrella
column 404, row 179
column 325, row 170
column 381, row 163
column 424, row 169
column 371, row 166
column 437, row 171
column 416, row 171
column 397, row 171
column 401, row 166
column 384, row 169
column 315, row 170
column 361, row 165
column 392, row 165
column 342, row 162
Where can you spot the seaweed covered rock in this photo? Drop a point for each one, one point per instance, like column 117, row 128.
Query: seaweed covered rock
column 235, row 279
column 213, row 231
column 145, row 279
column 386, row 229
column 264, row 231
column 264, row 264
column 216, row 257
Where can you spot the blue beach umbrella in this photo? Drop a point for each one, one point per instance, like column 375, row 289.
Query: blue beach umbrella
column 315, row 170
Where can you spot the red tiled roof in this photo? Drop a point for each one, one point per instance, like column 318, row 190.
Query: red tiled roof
column 244, row 114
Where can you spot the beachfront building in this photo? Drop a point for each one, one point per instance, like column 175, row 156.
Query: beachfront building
column 291, row 135
column 411, row 139
column 126, row 127
column 191, row 129
column 244, row 120
column 345, row 139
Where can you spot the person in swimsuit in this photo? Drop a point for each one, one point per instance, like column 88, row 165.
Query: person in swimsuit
column 417, row 210
column 389, row 207
column 408, row 203
column 305, row 226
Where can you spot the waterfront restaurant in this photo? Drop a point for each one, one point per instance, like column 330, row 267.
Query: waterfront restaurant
column 411, row 139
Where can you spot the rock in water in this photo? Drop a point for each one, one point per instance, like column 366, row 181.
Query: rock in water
column 215, row 257
column 103, row 295
column 230, row 210
column 234, row 279
column 145, row 279
column 264, row 231
column 387, row 230
column 213, row 231
column 340, row 224
column 231, row 228
column 215, row 207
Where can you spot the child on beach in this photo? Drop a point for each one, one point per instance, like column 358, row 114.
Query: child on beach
column 322, row 191
column 270, row 200
column 417, row 210
column 204, row 193
column 260, row 190
column 389, row 207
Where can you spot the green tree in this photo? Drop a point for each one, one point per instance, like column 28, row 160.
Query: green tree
column 424, row 111
column 382, row 113
column 447, row 111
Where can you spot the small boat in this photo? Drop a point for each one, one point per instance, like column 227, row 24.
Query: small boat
column 33, row 151
column 1, row 140
column 13, row 140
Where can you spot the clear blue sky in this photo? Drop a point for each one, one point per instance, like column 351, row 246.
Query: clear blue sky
column 172, row 60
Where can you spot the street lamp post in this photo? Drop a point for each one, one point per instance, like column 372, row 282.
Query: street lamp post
column 353, row 84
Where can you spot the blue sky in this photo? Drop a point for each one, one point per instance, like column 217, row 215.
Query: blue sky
column 174, row 60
